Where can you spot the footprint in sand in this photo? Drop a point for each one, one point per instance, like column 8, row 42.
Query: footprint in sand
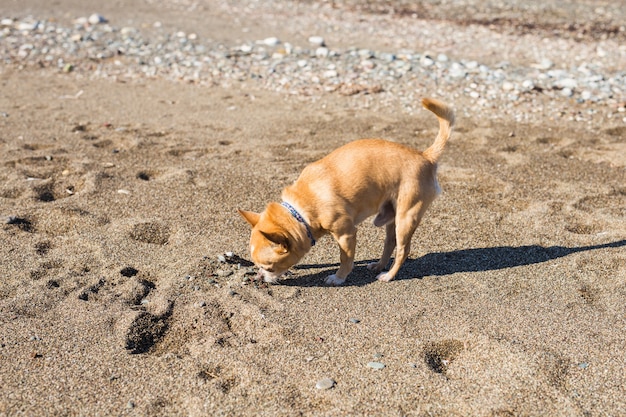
column 439, row 355
column 156, row 233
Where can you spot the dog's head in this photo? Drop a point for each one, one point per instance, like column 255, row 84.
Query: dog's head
column 277, row 242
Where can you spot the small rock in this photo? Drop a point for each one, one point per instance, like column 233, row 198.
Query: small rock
column 224, row 273
column 355, row 321
column 27, row 26
column 221, row 258
column 201, row 304
column 376, row 365
column 567, row 83
column 95, row 19
column 368, row 64
column 317, row 41
column 273, row 41
column 508, row 86
column 322, row 52
column 229, row 254
column 325, row 383
column 427, row 61
column 544, row 64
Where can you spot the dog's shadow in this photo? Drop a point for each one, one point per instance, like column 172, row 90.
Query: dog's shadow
column 448, row 263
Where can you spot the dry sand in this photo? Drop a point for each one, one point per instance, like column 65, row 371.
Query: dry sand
column 118, row 203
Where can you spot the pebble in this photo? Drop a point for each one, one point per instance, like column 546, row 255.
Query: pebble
column 325, row 383
column 273, row 41
column 317, row 41
column 96, row 19
column 322, row 52
column 427, row 61
column 376, row 365
column 353, row 320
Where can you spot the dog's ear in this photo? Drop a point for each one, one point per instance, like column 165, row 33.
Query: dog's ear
column 281, row 242
column 250, row 217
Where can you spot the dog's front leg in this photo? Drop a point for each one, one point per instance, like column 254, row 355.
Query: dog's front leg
column 347, row 247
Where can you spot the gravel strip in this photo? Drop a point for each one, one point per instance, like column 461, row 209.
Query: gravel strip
column 94, row 47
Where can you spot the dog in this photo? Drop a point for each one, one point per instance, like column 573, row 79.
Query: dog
column 334, row 194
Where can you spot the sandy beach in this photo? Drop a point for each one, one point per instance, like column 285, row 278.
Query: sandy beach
column 127, row 145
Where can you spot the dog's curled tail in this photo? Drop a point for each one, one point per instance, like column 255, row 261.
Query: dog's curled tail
column 445, row 114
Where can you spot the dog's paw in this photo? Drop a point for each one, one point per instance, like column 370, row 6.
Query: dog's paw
column 374, row 266
column 385, row 277
column 334, row 280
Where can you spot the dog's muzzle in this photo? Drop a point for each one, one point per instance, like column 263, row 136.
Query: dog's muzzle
column 267, row 276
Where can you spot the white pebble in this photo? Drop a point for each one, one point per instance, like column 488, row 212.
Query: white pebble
column 544, row 64
column 317, row 41
column 427, row 61
column 27, row 26
column 325, row 383
column 368, row 64
column 508, row 86
column 273, row 41
column 567, row 83
column 376, row 365
column 95, row 19
column 322, row 52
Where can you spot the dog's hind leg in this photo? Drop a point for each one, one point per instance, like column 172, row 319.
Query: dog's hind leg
column 390, row 245
column 406, row 223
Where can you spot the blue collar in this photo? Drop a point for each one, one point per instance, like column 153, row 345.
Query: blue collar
column 299, row 218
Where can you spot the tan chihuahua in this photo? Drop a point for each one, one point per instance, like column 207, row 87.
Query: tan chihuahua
column 336, row 193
